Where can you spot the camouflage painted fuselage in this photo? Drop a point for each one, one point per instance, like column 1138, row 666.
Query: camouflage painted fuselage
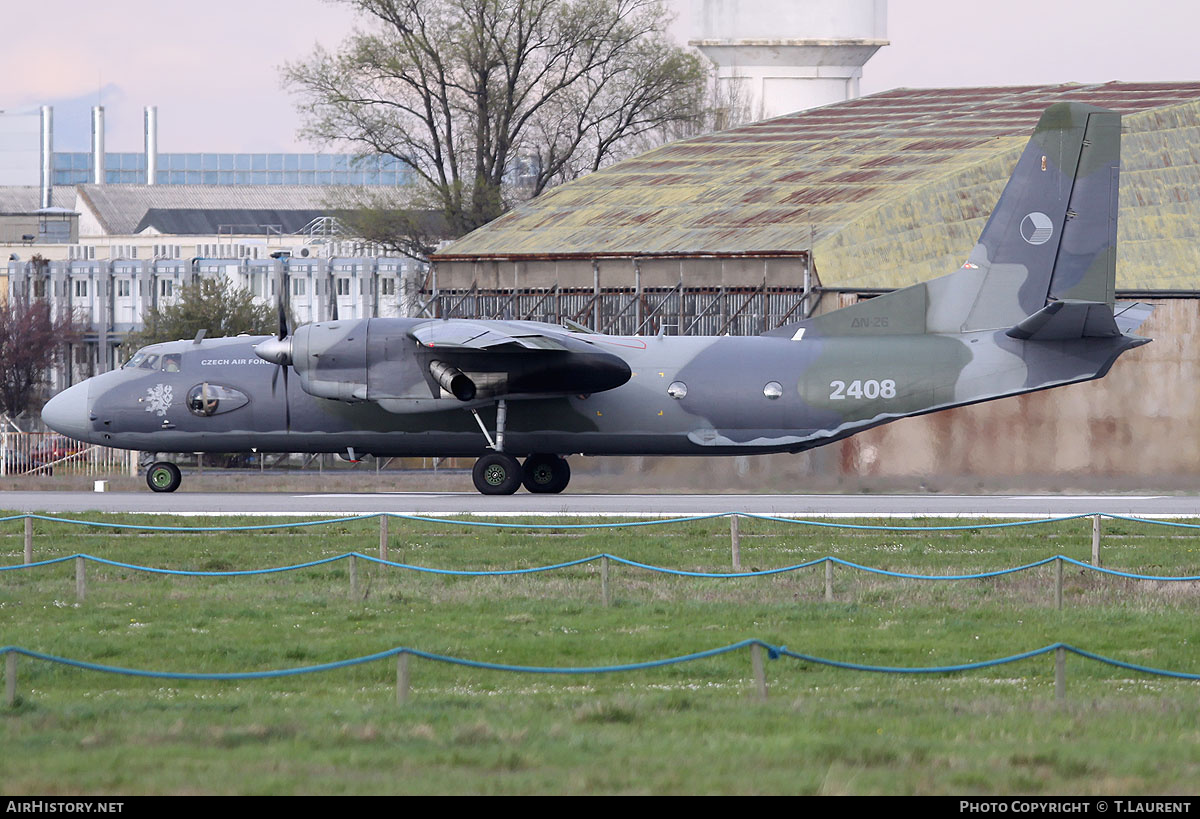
column 830, row 387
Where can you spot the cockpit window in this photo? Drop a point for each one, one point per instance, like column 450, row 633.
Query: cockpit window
column 211, row 399
column 136, row 361
column 149, row 363
column 170, row 363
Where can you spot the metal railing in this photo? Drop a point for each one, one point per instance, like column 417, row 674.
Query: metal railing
column 47, row 453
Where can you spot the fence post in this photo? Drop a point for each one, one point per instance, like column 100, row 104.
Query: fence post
column 760, row 675
column 80, row 580
column 383, row 536
column 1060, row 673
column 828, row 580
column 402, row 687
column 353, row 578
column 1095, row 540
column 735, row 542
column 1058, row 580
column 28, row 540
column 10, row 678
column 604, row 580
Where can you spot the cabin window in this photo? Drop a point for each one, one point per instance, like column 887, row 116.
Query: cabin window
column 773, row 390
column 677, row 390
column 212, row 399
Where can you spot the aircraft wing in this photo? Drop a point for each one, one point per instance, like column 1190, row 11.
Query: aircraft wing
column 472, row 360
column 477, row 335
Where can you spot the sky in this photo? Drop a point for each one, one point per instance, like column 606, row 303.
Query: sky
column 213, row 68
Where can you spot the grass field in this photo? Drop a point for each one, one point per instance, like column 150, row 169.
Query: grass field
column 694, row 728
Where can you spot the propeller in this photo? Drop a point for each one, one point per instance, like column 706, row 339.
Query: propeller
column 278, row 350
column 333, row 297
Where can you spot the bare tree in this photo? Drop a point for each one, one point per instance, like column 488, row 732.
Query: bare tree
column 492, row 101
column 32, row 341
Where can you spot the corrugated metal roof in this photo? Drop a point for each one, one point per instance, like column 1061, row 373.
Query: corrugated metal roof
column 208, row 221
column 120, row 208
column 28, row 198
column 802, row 180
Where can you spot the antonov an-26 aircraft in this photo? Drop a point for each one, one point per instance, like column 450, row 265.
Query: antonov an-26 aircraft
column 1031, row 308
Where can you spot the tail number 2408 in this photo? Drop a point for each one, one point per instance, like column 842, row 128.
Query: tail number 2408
column 840, row 390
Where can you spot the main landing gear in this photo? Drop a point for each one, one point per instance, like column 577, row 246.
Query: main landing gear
column 498, row 473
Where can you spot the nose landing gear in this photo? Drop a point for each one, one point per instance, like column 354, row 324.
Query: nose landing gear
column 163, row 476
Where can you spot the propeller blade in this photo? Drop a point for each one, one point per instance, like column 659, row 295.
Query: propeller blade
column 281, row 302
column 287, row 403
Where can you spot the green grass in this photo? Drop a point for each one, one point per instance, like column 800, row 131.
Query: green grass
column 694, row 728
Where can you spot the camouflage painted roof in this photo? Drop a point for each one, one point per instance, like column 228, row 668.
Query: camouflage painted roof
column 859, row 181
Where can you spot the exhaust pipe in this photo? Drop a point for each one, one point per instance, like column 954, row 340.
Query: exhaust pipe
column 453, row 380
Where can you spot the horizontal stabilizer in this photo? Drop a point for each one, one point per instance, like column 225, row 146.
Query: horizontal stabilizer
column 1065, row 320
column 1130, row 315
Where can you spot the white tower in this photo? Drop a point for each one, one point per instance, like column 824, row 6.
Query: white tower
column 776, row 57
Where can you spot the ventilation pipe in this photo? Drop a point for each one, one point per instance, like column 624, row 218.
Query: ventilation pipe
column 151, row 144
column 47, row 155
column 98, row 145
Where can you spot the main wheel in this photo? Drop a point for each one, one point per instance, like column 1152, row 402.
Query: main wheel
column 496, row 474
column 546, row 474
column 163, row 477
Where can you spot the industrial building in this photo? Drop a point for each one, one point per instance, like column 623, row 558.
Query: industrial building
column 108, row 235
column 746, row 229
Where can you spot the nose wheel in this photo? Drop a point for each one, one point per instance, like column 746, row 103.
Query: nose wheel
column 163, row 477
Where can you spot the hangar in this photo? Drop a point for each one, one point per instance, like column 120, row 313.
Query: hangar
column 742, row 230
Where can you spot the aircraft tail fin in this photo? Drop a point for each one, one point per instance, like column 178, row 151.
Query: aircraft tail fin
column 1052, row 238
column 1053, row 234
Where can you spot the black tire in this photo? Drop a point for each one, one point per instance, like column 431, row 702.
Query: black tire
column 496, row 474
column 163, row 477
column 546, row 474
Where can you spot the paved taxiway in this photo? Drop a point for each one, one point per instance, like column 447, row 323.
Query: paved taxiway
column 296, row 504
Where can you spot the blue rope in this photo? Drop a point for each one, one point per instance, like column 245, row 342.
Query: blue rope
column 476, row 573
column 616, row 559
column 910, row 576
column 187, row 573
column 774, row 652
column 39, row 563
column 958, row 528
column 627, row 524
column 1159, row 522
column 1131, row 575
column 939, row 669
column 149, row 528
column 622, row 525
column 716, row 575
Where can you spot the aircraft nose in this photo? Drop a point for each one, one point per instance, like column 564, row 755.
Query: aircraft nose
column 67, row 412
